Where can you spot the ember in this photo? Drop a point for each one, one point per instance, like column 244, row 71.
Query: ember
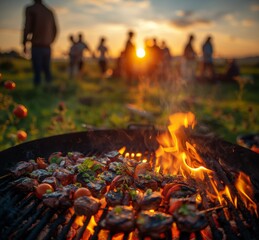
column 167, row 191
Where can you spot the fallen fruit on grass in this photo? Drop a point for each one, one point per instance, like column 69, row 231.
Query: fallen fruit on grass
column 21, row 135
column 20, row 111
column 9, row 84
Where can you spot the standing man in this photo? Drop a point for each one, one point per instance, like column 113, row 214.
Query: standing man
column 81, row 46
column 40, row 29
column 207, row 54
column 189, row 61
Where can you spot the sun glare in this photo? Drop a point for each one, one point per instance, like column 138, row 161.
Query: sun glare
column 141, row 53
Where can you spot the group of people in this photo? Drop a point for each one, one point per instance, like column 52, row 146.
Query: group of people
column 40, row 30
column 189, row 60
column 76, row 53
column 156, row 61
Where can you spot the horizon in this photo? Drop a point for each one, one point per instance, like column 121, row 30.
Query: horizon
column 233, row 24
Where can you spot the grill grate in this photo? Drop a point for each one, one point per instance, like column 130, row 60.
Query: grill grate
column 24, row 217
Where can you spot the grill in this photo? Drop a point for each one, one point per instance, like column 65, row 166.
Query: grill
column 23, row 216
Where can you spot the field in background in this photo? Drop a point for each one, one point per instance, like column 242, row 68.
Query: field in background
column 223, row 109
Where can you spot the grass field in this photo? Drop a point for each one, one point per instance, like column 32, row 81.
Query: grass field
column 224, row 109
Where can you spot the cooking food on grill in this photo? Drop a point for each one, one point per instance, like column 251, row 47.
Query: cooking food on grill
column 119, row 219
column 188, row 218
column 42, row 189
column 151, row 200
column 177, row 190
column 51, row 181
column 153, row 223
column 86, row 205
column 80, row 192
column 23, row 167
column 40, row 174
column 114, row 198
column 25, row 184
column 121, row 194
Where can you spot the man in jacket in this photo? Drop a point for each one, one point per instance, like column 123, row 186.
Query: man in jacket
column 40, row 29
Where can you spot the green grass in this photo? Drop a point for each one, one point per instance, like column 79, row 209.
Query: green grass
column 101, row 103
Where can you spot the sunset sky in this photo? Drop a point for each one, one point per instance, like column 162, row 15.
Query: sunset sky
column 234, row 24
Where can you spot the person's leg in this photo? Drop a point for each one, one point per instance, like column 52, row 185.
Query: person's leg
column 36, row 65
column 46, row 64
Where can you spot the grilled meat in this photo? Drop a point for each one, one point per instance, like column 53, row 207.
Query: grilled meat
column 119, row 219
column 177, row 190
column 107, row 176
column 188, row 218
column 151, row 200
column 64, row 176
column 97, row 187
column 52, row 181
column 25, row 184
column 40, row 174
column 23, row 168
column 114, row 198
column 86, row 205
column 153, row 223
column 61, row 198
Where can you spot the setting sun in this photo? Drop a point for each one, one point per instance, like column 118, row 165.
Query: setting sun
column 141, row 53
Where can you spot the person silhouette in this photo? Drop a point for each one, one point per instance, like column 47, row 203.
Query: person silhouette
column 102, row 51
column 40, row 29
column 81, row 46
column 73, row 57
column 207, row 54
column 166, row 60
column 189, row 60
column 129, row 56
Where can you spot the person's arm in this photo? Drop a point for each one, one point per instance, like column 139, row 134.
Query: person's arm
column 27, row 29
column 55, row 29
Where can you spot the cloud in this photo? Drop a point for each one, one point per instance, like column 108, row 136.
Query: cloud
column 113, row 4
column 247, row 23
column 185, row 22
column 183, row 13
column 255, row 8
column 61, row 10
column 231, row 19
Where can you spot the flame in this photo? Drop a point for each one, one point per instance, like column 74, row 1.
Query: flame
column 122, row 150
column 221, row 194
column 80, row 220
column 71, row 210
column 176, row 156
column 245, row 190
column 91, row 225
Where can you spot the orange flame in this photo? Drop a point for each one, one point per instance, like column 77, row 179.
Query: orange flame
column 80, row 220
column 245, row 190
column 174, row 156
column 91, row 225
column 122, row 150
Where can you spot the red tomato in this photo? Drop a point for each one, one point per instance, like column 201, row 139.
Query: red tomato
column 9, row 85
column 21, row 135
column 41, row 163
column 255, row 148
column 42, row 189
column 20, row 111
column 80, row 192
